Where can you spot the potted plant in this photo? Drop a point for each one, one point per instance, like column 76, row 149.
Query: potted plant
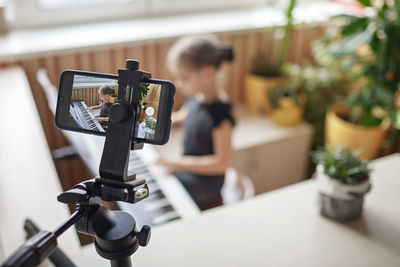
column 314, row 86
column 265, row 76
column 287, row 106
column 150, row 128
column 371, row 44
column 342, row 180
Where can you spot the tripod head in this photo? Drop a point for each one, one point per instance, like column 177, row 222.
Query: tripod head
column 106, row 190
column 115, row 232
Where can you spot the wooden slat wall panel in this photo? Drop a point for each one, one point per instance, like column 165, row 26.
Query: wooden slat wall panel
column 248, row 45
column 89, row 95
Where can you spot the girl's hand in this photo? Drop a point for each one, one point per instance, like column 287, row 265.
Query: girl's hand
column 101, row 119
column 171, row 166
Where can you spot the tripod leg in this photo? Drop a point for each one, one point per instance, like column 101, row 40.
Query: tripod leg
column 57, row 257
column 122, row 263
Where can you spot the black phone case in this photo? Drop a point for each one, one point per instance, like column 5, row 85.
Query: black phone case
column 64, row 97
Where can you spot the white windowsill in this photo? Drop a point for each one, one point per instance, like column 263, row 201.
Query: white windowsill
column 24, row 44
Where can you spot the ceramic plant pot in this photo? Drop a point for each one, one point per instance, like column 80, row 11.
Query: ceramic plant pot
column 257, row 89
column 149, row 133
column 288, row 113
column 340, row 132
column 339, row 201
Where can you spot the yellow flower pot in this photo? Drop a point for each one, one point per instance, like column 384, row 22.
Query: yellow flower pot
column 341, row 132
column 288, row 114
column 257, row 89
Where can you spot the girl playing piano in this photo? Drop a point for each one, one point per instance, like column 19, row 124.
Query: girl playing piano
column 105, row 94
column 195, row 63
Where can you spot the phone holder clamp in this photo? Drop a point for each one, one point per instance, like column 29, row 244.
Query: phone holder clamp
column 122, row 124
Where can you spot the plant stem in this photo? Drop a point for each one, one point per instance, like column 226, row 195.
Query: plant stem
column 286, row 37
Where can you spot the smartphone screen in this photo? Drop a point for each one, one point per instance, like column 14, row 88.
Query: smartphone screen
column 92, row 95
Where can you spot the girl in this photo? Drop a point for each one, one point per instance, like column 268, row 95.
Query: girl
column 105, row 93
column 195, row 64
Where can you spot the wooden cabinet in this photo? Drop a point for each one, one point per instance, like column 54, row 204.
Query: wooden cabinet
column 271, row 155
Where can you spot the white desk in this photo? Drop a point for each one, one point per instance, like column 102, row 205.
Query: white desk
column 29, row 182
column 282, row 228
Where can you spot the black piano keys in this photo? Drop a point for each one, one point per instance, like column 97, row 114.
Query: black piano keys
column 84, row 118
column 154, row 210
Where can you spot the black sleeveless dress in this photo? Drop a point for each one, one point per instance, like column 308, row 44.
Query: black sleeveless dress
column 198, row 126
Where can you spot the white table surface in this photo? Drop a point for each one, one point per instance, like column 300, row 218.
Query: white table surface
column 29, row 182
column 281, row 228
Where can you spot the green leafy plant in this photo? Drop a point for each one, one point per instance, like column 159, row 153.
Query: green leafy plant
column 372, row 43
column 266, row 69
column 144, row 89
column 322, row 83
column 343, row 165
column 151, row 123
column 116, row 88
column 285, row 91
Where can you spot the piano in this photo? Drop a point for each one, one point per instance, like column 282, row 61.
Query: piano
column 168, row 200
column 83, row 118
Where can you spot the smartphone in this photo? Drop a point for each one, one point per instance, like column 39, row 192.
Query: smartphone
column 85, row 99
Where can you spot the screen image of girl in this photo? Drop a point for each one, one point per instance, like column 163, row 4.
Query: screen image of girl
column 195, row 63
column 105, row 95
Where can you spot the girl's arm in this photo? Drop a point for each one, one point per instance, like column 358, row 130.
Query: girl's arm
column 101, row 118
column 215, row 164
column 94, row 107
column 178, row 117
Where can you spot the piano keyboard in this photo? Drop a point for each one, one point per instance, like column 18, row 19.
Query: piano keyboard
column 166, row 202
column 84, row 118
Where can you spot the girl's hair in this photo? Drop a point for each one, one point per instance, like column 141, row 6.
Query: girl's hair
column 200, row 51
column 106, row 90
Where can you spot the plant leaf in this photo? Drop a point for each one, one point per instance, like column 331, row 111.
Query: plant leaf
column 355, row 26
column 349, row 44
column 365, row 2
column 354, row 99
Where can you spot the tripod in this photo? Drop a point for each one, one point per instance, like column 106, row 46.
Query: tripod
column 115, row 232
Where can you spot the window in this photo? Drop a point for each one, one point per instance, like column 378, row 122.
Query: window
column 35, row 13
column 162, row 6
column 60, row 4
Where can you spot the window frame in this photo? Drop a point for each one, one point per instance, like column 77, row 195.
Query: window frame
column 177, row 6
column 29, row 14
